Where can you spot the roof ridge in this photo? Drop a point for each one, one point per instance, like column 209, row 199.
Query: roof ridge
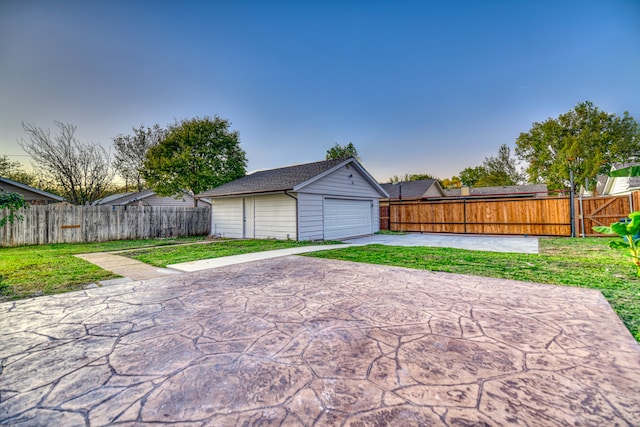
column 299, row 165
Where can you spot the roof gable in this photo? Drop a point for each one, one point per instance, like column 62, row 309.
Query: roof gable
column 287, row 178
column 30, row 189
column 410, row 189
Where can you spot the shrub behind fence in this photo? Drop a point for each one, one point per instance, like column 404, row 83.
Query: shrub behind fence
column 76, row 224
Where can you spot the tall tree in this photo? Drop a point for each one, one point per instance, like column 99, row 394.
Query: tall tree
column 449, row 183
column 131, row 152
column 494, row 171
column 586, row 140
column 13, row 170
column 195, row 155
column 410, row 177
column 471, row 177
column 501, row 169
column 340, row 152
column 81, row 171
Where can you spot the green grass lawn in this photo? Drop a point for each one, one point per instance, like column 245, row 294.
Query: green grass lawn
column 28, row 271
column 161, row 257
column 48, row 269
column 587, row 263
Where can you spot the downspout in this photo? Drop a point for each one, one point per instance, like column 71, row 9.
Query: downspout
column 296, row 199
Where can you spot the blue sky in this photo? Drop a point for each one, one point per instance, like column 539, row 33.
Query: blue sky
column 417, row 86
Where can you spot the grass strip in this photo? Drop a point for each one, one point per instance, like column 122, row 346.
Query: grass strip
column 587, row 263
column 28, row 271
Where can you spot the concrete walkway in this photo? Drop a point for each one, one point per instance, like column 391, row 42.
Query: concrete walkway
column 205, row 264
column 298, row 341
column 133, row 270
column 527, row 245
column 127, row 267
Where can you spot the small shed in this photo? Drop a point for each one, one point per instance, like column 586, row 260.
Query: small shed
column 326, row 200
column 31, row 195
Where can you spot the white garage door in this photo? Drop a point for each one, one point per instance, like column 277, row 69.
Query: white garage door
column 346, row 218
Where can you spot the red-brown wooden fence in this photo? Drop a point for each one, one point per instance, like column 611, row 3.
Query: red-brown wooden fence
column 540, row 216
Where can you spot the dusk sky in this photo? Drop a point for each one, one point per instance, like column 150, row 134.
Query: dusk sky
column 417, row 86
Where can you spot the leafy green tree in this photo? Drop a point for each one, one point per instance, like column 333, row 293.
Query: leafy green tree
column 586, row 140
column 410, row 177
column 12, row 202
column 494, row 171
column 449, row 183
column 13, row 170
column 501, row 169
column 80, row 172
column 195, row 155
column 131, row 152
column 471, row 177
column 340, row 152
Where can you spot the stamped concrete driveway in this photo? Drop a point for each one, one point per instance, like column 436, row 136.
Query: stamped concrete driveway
column 300, row 341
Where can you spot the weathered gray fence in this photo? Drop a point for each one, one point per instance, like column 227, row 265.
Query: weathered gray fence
column 74, row 224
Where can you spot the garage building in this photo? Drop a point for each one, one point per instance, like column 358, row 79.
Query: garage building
column 326, row 200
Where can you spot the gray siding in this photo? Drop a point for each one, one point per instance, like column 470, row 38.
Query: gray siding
column 433, row 191
column 376, row 215
column 275, row 214
column 345, row 181
column 310, row 217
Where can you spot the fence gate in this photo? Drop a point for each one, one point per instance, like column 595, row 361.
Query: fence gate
column 596, row 211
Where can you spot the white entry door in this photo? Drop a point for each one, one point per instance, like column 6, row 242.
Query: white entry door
column 249, row 217
column 347, row 218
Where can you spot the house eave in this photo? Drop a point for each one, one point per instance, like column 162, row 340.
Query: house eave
column 244, row 194
column 32, row 189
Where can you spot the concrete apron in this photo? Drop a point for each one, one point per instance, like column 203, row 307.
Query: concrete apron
column 527, row 245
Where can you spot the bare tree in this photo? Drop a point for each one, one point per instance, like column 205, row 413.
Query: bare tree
column 82, row 171
column 131, row 152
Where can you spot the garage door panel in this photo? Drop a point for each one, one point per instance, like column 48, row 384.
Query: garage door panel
column 346, row 218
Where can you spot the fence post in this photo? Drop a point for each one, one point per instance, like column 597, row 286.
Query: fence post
column 572, row 208
column 464, row 213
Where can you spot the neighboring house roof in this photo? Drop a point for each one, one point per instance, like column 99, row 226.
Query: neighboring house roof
column 28, row 188
column 289, row 178
column 124, row 198
column 527, row 190
column 107, row 200
column 414, row 189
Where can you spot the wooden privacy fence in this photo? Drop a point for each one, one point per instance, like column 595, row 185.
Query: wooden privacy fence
column 540, row 216
column 75, row 224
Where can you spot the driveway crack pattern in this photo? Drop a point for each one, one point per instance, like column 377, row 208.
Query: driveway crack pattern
column 299, row 341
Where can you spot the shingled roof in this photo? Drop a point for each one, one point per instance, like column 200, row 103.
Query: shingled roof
column 272, row 180
column 24, row 189
column 410, row 189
